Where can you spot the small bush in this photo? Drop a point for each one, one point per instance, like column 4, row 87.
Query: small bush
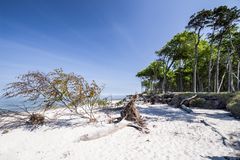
column 234, row 105
column 120, row 103
column 102, row 102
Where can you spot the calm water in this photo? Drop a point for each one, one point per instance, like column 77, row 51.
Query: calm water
column 15, row 103
column 114, row 97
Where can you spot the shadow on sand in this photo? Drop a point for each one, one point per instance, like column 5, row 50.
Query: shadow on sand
column 221, row 116
column 224, row 158
column 169, row 113
column 10, row 120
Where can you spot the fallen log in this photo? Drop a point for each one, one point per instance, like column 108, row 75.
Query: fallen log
column 103, row 133
column 129, row 113
column 185, row 108
column 187, row 99
column 110, row 130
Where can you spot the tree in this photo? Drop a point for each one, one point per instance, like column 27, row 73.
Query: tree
column 151, row 75
column 211, row 36
column 66, row 89
column 197, row 22
column 187, row 55
column 203, row 58
column 236, row 45
column 224, row 20
column 230, row 46
column 175, row 50
column 232, row 18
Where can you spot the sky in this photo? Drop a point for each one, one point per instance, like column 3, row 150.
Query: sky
column 104, row 40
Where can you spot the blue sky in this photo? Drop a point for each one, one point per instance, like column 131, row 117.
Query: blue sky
column 104, row 40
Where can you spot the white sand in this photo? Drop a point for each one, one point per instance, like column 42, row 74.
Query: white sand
column 173, row 135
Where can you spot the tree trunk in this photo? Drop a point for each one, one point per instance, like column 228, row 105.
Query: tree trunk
column 238, row 68
column 164, row 83
column 229, row 71
column 230, row 65
column 200, row 83
column 217, row 66
column 196, row 61
column 195, row 69
column 210, row 69
column 231, row 76
column 181, row 81
column 219, row 88
column 215, row 82
column 151, row 88
column 210, row 62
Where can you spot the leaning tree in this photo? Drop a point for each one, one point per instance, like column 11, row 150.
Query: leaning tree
column 197, row 22
column 224, row 20
column 57, row 88
column 176, row 50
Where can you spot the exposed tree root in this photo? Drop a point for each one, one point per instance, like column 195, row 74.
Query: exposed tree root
column 224, row 139
column 185, row 108
column 129, row 113
column 142, row 129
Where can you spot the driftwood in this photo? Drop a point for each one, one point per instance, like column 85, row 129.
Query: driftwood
column 130, row 113
column 109, row 131
column 185, row 108
column 102, row 133
column 187, row 99
column 130, row 117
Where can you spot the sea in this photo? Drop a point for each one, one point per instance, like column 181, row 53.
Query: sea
column 17, row 104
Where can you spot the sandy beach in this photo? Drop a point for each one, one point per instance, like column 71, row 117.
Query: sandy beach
column 119, row 80
column 174, row 134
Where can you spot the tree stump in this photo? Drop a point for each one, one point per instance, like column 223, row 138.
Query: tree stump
column 131, row 113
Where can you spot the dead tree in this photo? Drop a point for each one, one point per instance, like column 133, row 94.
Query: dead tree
column 129, row 113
